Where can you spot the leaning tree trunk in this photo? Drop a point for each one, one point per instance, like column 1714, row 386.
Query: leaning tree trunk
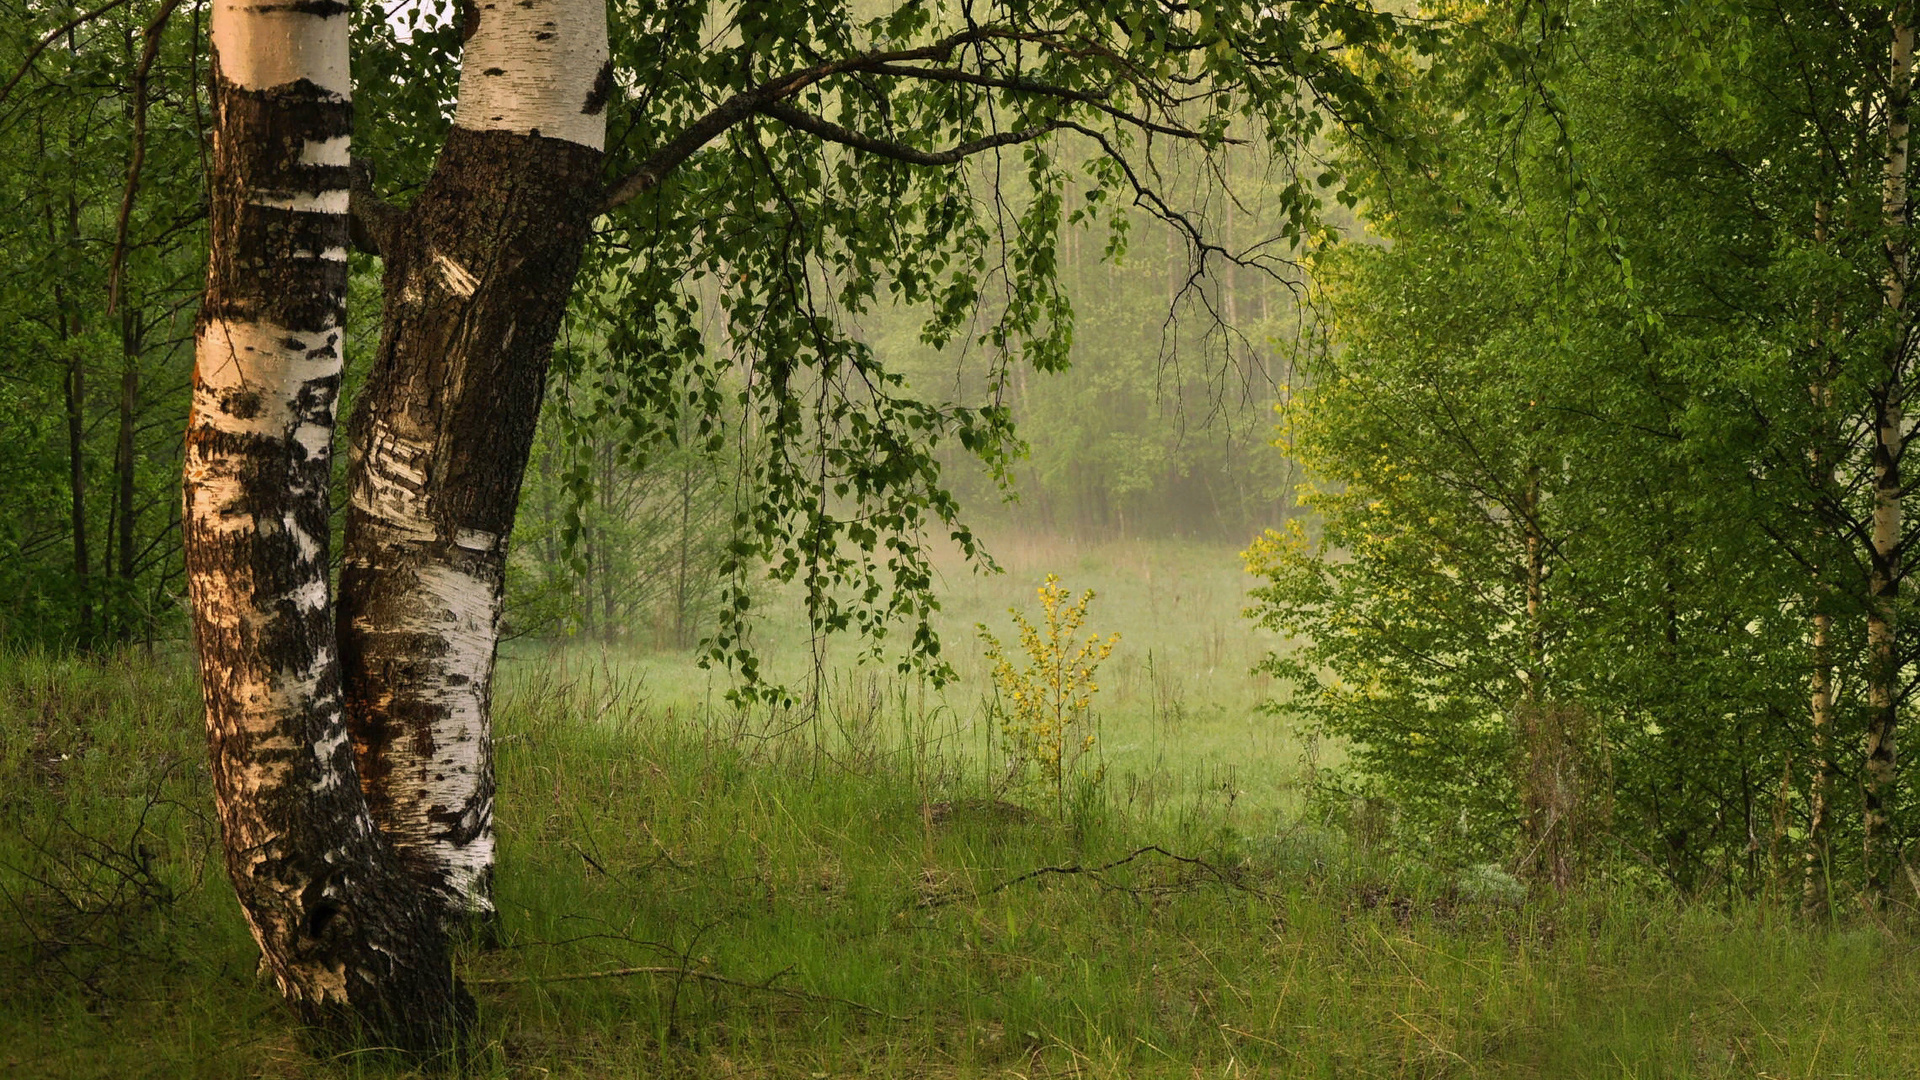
column 477, row 275
column 1886, row 564
column 333, row 916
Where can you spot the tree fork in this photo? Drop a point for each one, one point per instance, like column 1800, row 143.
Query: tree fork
column 335, row 920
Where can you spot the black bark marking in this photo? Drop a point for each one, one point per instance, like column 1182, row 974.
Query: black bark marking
column 602, row 91
column 494, row 71
column 464, row 825
column 543, row 35
column 321, row 8
column 243, row 404
column 256, row 270
column 324, row 895
column 463, row 375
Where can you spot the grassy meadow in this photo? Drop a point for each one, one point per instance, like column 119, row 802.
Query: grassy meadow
column 690, row 892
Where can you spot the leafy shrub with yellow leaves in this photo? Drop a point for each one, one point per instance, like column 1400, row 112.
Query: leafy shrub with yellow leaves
column 1046, row 707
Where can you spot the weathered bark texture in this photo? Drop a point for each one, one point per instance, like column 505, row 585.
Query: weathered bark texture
column 333, row 917
column 477, row 275
column 1886, row 562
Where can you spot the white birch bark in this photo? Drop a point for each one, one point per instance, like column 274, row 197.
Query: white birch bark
column 1889, row 446
column 536, row 67
column 477, row 278
column 335, row 927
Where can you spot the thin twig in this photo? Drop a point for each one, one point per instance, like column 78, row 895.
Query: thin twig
column 1096, row 872
column 833, row 132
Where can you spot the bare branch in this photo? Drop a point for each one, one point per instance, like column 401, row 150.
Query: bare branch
column 686, row 973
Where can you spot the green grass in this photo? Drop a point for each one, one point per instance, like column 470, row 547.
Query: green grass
column 861, row 886
column 1179, row 706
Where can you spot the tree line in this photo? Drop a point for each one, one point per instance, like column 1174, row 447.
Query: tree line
column 1609, row 422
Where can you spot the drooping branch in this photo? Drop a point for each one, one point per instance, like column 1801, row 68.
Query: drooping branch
column 832, row 132
column 897, row 64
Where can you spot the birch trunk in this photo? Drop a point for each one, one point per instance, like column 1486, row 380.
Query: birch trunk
column 1886, row 567
column 477, row 275
column 1820, row 464
column 335, row 922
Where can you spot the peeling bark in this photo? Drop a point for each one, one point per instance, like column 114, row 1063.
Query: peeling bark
column 477, row 275
column 334, row 919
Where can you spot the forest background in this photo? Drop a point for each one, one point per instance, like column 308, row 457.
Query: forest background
column 1591, row 416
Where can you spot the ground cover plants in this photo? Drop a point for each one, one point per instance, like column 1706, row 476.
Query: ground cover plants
column 857, row 896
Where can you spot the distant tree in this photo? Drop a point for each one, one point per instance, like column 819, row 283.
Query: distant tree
column 100, row 264
column 613, row 546
column 1606, row 426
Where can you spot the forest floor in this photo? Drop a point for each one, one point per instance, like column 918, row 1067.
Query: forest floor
column 860, row 894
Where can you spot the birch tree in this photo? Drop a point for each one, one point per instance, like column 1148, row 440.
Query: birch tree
column 1714, row 309
column 327, row 902
column 351, row 740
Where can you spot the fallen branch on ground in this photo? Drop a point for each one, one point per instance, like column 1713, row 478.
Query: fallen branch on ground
column 685, row 973
column 1097, row 873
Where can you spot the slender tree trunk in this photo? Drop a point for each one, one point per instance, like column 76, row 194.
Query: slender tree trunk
column 336, row 923
column 75, row 389
column 1886, row 564
column 1536, row 589
column 1820, row 787
column 681, row 638
column 1820, row 464
column 123, row 470
column 123, row 467
column 477, row 275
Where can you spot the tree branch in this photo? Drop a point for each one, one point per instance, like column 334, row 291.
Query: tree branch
column 1024, row 86
column 832, row 132
column 51, row 37
column 747, row 102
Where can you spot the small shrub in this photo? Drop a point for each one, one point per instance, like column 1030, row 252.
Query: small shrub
column 1046, row 706
column 1487, row 883
column 1565, row 785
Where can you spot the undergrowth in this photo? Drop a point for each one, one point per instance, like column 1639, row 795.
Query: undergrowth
column 793, row 904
